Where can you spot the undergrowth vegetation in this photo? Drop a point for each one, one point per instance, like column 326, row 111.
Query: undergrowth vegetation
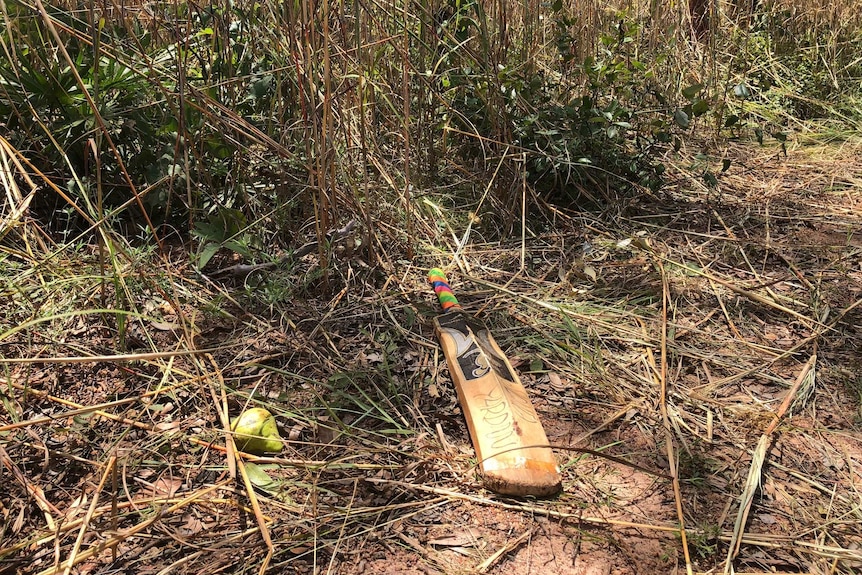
column 231, row 120
column 209, row 206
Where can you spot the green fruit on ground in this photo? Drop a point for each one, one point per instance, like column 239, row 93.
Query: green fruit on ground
column 256, row 432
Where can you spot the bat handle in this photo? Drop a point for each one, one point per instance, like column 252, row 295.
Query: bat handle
column 442, row 289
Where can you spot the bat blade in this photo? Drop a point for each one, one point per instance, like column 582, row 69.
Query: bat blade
column 507, row 434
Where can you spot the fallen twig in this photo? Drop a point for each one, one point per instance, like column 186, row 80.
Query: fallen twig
column 757, row 460
column 499, row 553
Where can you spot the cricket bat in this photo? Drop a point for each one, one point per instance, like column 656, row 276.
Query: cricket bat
column 510, row 442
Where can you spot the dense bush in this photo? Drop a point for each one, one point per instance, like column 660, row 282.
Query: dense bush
column 223, row 117
column 151, row 98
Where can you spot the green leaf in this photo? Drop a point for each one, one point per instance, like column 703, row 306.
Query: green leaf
column 410, row 317
column 207, row 252
column 681, row 118
column 691, row 269
column 176, row 170
column 731, row 120
column 700, row 107
column 710, row 179
column 209, row 231
column 692, row 91
column 660, row 97
column 758, row 133
column 259, row 477
column 238, row 247
column 725, row 164
column 261, row 88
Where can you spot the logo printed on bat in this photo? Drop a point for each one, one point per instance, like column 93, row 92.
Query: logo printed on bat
column 497, row 363
column 476, row 356
column 473, row 363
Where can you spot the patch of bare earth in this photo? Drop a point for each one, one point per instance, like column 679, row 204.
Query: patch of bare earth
column 658, row 359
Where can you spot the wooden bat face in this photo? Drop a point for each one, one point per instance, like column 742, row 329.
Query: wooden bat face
column 501, row 418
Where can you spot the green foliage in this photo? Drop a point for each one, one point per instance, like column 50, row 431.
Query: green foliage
column 574, row 133
column 703, row 541
column 195, row 103
column 694, row 465
column 608, row 120
column 225, row 228
column 41, row 83
column 788, row 70
column 817, row 63
column 150, row 136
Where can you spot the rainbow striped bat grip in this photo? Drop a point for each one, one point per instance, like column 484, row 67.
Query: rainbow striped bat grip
column 444, row 293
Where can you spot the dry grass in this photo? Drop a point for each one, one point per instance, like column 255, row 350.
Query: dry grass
column 665, row 333
column 669, row 344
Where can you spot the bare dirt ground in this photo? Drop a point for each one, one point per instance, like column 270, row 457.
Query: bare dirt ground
column 667, row 335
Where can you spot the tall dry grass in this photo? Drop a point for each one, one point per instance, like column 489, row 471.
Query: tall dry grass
column 364, row 105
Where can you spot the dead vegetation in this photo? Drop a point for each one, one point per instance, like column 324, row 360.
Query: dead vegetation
column 210, row 206
column 710, row 345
